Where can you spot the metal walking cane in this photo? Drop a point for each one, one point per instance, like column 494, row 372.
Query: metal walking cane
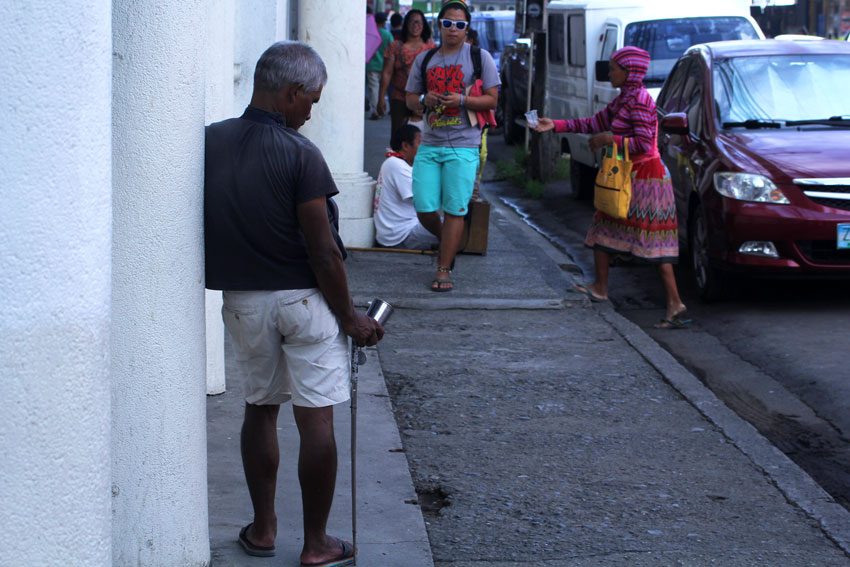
column 380, row 311
column 358, row 357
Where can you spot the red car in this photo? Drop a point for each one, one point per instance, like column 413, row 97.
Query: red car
column 756, row 135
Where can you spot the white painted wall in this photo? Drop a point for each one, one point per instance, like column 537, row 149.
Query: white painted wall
column 259, row 23
column 55, row 226
column 237, row 34
column 218, row 105
column 218, row 60
column 103, row 436
column 159, row 477
column 336, row 126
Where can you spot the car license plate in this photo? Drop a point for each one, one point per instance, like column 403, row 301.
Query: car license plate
column 844, row 236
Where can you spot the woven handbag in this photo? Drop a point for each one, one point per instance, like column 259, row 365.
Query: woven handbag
column 613, row 191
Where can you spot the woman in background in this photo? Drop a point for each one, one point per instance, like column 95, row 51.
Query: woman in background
column 398, row 57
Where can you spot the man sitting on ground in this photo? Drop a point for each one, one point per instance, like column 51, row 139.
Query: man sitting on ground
column 396, row 223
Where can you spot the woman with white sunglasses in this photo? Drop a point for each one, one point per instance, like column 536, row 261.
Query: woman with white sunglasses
column 447, row 162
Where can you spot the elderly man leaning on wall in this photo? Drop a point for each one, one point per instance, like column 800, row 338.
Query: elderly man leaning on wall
column 272, row 246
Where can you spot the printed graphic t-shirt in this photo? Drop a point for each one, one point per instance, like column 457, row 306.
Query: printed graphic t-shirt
column 450, row 127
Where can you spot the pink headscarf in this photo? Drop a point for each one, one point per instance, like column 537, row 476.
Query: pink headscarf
column 636, row 61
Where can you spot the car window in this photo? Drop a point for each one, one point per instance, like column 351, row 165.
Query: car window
column 670, row 98
column 555, row 37
column 692, row 97
column 609, row 43
column 577, row 56
column 494, row 33
column 666, row 40
column 781, row 87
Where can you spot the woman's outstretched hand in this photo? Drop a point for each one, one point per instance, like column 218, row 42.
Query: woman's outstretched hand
column 544, row 125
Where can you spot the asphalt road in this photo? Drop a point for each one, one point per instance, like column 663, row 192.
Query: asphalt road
column 776, row 353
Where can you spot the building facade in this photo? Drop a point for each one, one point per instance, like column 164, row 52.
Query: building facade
column 104, row 334
column 824, row 18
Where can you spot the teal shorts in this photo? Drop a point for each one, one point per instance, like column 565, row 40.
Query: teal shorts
column 443, row 178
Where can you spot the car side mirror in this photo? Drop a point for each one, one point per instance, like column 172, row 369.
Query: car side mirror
column 675, row 123
column 603, row 71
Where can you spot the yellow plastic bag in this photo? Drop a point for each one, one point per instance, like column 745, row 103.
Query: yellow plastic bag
column 613, row 191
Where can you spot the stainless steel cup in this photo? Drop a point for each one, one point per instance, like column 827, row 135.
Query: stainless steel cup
column 379, row 310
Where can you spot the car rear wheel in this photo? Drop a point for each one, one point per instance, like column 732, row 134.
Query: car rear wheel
column 712, row 284
column 582, row 180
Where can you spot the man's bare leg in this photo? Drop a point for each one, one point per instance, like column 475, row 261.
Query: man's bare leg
column 317, row 463
column 260, row 459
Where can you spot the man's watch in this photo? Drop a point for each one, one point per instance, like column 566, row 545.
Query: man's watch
column 422, row 99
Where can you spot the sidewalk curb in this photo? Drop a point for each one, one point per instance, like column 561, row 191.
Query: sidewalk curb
column 440, row 303
column 394, row 495
column 793, row 482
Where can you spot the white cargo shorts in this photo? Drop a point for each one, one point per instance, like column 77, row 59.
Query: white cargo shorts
column 286, row 345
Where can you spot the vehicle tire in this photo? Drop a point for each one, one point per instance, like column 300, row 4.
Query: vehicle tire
column 712, row 284
column 582, row 180
column 512, row 131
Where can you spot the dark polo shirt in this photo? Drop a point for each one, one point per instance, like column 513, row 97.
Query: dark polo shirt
column 257, row 172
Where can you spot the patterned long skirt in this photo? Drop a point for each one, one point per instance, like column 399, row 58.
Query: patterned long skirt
column 650, row 231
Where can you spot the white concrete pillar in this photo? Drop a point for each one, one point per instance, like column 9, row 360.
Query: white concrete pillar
column 218, row 105
column 259, row 23
column 55, row 226
column 159, row 476
column 337, row 31
column 237, row 34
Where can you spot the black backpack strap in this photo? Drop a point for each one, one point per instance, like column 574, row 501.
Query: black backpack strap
column 475, row 53
column 424, row 67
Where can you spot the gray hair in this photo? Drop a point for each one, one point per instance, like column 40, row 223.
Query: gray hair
column 288, row 63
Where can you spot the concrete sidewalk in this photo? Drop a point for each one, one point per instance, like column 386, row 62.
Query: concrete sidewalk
column 516, row 296
column 774, row 512
column 390, row 529
column 726, row 496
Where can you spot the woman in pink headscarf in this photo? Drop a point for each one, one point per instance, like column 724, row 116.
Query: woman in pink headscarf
column 649, row 232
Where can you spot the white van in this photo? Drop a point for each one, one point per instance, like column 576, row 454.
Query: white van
column 495, row 30
column 578, row 34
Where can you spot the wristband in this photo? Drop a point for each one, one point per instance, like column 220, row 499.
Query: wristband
column 461, row 99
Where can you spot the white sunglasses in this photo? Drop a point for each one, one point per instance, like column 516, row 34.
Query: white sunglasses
column 448, row 24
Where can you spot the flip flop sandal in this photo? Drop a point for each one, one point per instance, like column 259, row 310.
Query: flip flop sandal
column 344, row 558
column 437, row 284
column 675, row 323
column 584, row 290
column 254, row 549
